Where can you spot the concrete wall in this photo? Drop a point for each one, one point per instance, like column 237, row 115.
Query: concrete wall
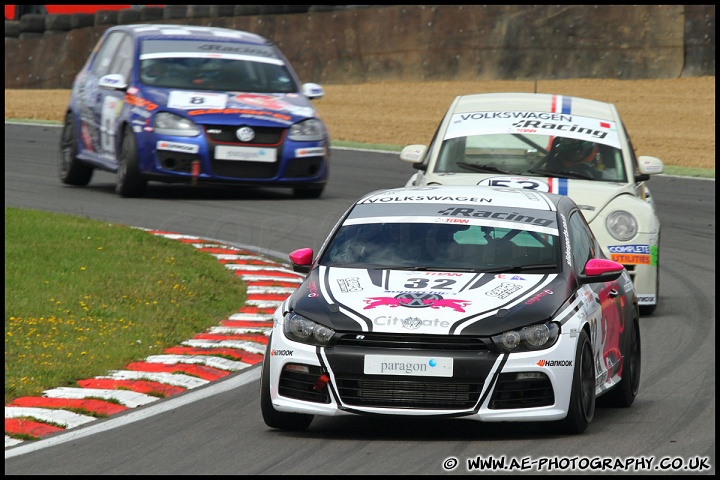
column 344, row 45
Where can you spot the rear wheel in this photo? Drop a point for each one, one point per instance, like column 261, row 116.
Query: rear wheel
column 582, row 397
column 623, row 395
column 70, row 169
column 129, row 181
column 273, row 418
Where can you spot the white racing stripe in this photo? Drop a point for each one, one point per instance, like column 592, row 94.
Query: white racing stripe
column 126, row 397
column 60, row 417
column 174, row 379
column 210, row 361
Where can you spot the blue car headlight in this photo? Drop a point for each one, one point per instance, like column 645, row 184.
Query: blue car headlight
column 170, row 124
column 311, row 130
column 527, row 339
column 299, row 329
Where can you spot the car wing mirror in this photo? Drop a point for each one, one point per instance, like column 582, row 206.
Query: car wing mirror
column 114, row 81
column 649, row 165
column 414, row 154
column 598, row 270
column 313, row 91
column 301, row 260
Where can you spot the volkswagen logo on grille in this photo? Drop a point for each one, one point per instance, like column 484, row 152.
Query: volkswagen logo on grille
column 245, row 134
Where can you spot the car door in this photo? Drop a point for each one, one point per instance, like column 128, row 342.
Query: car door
column 602, row 302
column 100, row 101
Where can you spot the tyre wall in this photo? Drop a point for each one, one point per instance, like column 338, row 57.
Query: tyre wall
column 376, row 43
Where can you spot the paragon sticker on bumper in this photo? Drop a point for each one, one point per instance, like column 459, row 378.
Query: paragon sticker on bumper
column 246, row 154
column 408, row 366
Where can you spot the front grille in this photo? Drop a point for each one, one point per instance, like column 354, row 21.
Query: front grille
column 269, row 137
column 405, row 341
column 236, row 169
column 512, row 393
column 444, row 394
column 301, row 385
column 472, row 362
column 225, row 134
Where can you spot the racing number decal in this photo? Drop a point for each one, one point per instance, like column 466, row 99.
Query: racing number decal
column 527, row 183
column 440, row 284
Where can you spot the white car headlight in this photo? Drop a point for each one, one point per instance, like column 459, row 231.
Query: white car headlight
column 311, row 130
column 621, row 225
column 300, row 329
column 534, row 337
column 171, row 124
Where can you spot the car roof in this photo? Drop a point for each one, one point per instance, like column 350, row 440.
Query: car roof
column 467, row 195
column 194, row 32
column 534, row 102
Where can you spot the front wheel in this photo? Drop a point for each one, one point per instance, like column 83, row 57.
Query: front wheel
column 581, row 409
column 273, row 418
column 70, row 169
column 129, row 181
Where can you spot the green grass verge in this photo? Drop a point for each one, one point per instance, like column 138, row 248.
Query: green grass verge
column 84, row 297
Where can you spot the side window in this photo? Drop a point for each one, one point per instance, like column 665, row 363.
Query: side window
column 583, row 247
column 123, row 59
column 101, row 65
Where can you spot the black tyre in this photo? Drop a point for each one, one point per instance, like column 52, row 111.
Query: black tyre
column 582, row 398
column 129, row 181
column 273, row 418
column 623, row 395
column 71, row 170
column 314, row 192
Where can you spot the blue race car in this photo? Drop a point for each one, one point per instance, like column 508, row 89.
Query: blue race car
column 193, row 105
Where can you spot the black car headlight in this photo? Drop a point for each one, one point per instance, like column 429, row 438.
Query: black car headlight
column 311, row 130
column 299, row 329
column 527, row 339
column 170, row 124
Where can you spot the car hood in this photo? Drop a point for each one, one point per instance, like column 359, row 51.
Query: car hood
column 216, row 107
column 448, row 303
column 591, row 196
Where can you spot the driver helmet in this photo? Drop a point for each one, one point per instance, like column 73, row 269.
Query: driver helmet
column 571, row 151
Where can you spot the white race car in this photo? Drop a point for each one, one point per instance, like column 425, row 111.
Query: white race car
column 551, row 143
column 488, row 303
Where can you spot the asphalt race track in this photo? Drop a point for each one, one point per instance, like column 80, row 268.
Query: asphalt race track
column 217, row 429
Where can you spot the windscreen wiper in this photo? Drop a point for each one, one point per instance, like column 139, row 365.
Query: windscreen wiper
column 562, row 174
column 520, row 268
column 475, row 167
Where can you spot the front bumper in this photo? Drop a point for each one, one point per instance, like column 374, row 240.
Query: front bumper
column 193, row 159
column 484, row 386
